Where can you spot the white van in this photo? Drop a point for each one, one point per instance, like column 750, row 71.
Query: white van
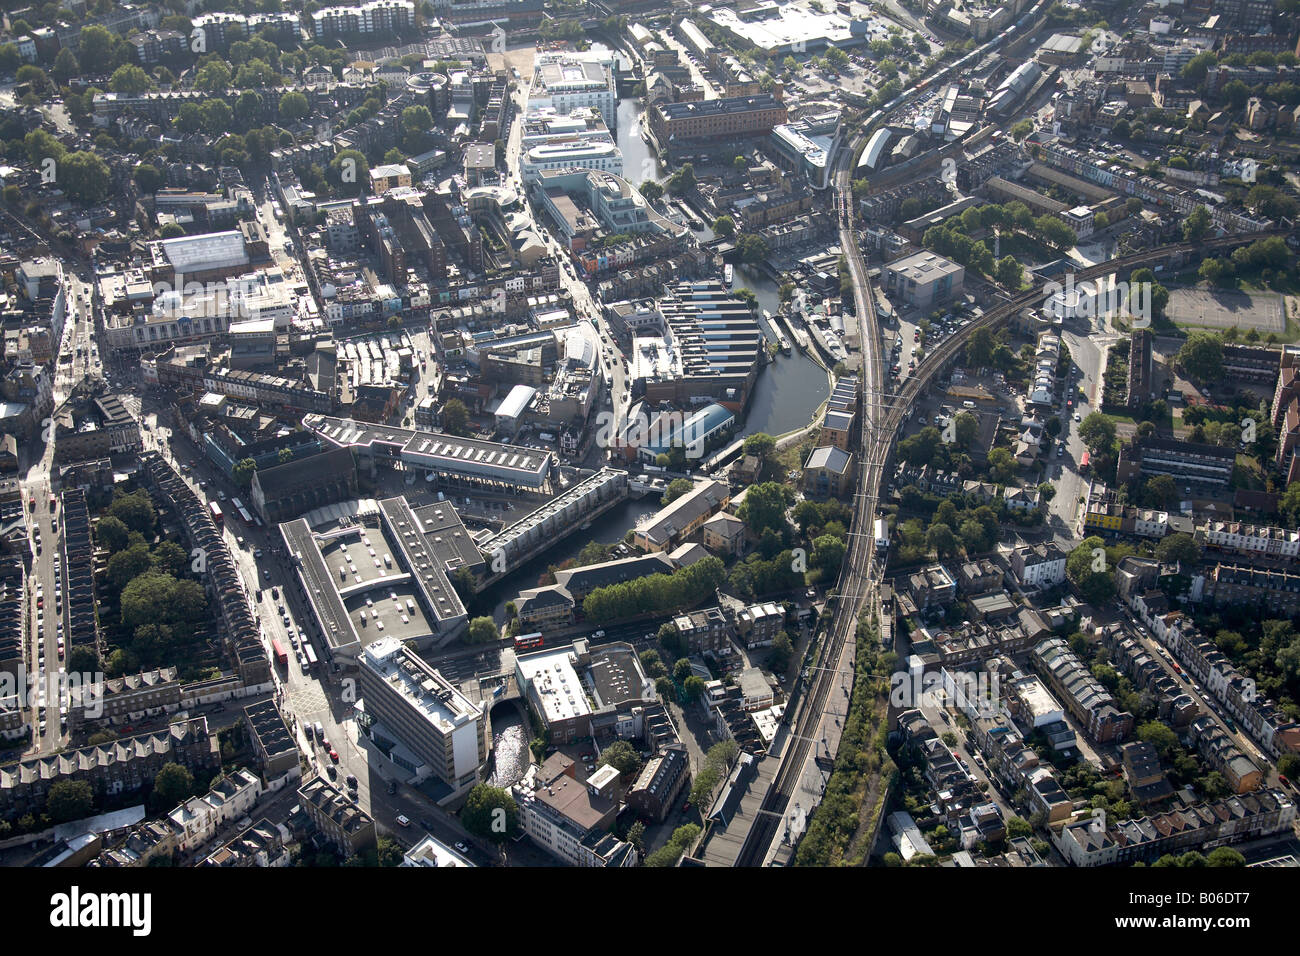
column 968, row 404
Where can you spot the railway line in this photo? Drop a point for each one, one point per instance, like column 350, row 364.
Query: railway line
column 881, row 422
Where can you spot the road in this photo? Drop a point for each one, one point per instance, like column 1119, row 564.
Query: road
column 47, row 622
column 1138, row 631
column 617, row 397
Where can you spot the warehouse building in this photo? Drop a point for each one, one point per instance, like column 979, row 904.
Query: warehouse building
column 375, row 575
column 453, row 461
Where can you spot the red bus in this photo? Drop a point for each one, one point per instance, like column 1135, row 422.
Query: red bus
column 526, row 642
column 281, row 657
column 1084, row 462
column 215, row 510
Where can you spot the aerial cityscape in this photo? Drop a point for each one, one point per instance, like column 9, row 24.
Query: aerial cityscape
column 631, row 433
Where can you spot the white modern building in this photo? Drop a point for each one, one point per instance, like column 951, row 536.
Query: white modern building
column 430, row 852
column 566, row 81
column 570, row 154
column 432, row 728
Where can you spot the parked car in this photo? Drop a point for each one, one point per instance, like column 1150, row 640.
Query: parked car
column 402, row 820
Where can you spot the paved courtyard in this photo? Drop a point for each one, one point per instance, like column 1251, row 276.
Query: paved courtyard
column 1219, row 309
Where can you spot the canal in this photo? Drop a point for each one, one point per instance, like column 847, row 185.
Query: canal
column 510, row 757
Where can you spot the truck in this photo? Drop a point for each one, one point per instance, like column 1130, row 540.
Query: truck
column 882, row 535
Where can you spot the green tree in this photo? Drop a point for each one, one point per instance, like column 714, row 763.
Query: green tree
column 491, row 813
column 215, row 117
column 172, row 784
column 483, row 630
column 1002, row 465
column 1055, row 231
column 778, row 658
column 1096, row 586
column 65, row 66
column 1179, row 549
column 169, row 557
column 940, row 539
column 651, row 190
column 127, row 565
column 111, row 533
column 1097, row 432
column 1225, row 856
column 1021, row 130
column 1201, row 356
column 213, row 76
column 1159, row 736
column 693, row 688
column 636, row 836
column 622, row 757
column 1008, row 272
column 828, row 555
column 130, row 80
column 1019, row 827
column 1197, row 225
column 136, row 511
column 764, row 507
column 242, row 473
column 455, row 417
column 69, row 800
column 724, row 226
column 294, row 106
column 10, row 59
column 979, row 348
column 676, row 488
column 147, row 177
column 1196, row 68
column 95, row 49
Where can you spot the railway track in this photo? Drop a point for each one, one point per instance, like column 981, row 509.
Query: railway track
column 881, row 422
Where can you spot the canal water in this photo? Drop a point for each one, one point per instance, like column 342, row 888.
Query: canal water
column 510, row 756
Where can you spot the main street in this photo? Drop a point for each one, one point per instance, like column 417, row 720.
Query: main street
column 75, row 361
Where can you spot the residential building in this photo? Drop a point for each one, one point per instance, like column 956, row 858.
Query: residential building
column 1235, row 819
column 661, row 781
column 569, row 819
column 347, row 827
column 1089, row 703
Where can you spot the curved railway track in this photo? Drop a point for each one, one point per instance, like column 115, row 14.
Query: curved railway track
column 881, row 422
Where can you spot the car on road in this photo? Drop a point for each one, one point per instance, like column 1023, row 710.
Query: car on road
column 1078, row 417
column 352, row 781
column 329, row 768
column 392, row 787
column 461, row 847
column 403, row 820
column 334, row 755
